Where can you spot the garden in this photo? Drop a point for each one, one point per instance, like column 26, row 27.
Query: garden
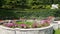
column 30, row 16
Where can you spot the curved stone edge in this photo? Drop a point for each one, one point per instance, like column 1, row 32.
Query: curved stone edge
column 43, row 30
column 7, row 28
column 35, row 28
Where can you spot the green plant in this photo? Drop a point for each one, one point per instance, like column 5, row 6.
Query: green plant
column 25, row 24
column 48, row 7
column 11, row 14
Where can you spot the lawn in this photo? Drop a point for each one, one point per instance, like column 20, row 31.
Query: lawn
column 57, row 31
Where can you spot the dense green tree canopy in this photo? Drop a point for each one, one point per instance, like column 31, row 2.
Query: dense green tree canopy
column 26, row 3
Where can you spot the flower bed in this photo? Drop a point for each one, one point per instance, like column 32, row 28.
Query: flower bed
column 26, row 27
column 27, row 24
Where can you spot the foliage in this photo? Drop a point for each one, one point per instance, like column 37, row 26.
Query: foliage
column 48, row 7
column 11, row 14
column 37, row 13
column 7, row 14
column 1, row 3
column 26, row 4
column 57, row 14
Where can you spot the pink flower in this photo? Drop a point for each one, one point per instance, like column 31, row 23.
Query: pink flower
column 16, row 25
column 10, row 24
column 23, row 25
column 45, row 21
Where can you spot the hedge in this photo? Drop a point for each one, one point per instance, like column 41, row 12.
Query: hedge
column 11, row 14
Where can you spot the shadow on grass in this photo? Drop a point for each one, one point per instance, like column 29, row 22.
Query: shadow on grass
column 53, row 31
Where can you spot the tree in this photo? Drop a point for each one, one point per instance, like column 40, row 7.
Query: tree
column 1, row 2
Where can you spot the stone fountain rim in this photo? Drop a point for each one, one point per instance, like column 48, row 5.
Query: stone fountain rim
column 42, row 28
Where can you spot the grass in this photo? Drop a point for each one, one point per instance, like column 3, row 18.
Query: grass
column 57, row 31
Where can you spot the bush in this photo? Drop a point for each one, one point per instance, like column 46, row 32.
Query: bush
column 28, row 13
column 7, row 14
column 57, row 13
column 48, row 7
column 37, row 13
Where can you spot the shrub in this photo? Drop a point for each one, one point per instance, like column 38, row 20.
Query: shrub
column 48, row 7
column 11, row 14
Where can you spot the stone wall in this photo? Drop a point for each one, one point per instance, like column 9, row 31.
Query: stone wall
column 56, row 25
column 43, row 30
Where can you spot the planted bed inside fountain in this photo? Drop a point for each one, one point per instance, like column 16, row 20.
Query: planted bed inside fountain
column 26, row 27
